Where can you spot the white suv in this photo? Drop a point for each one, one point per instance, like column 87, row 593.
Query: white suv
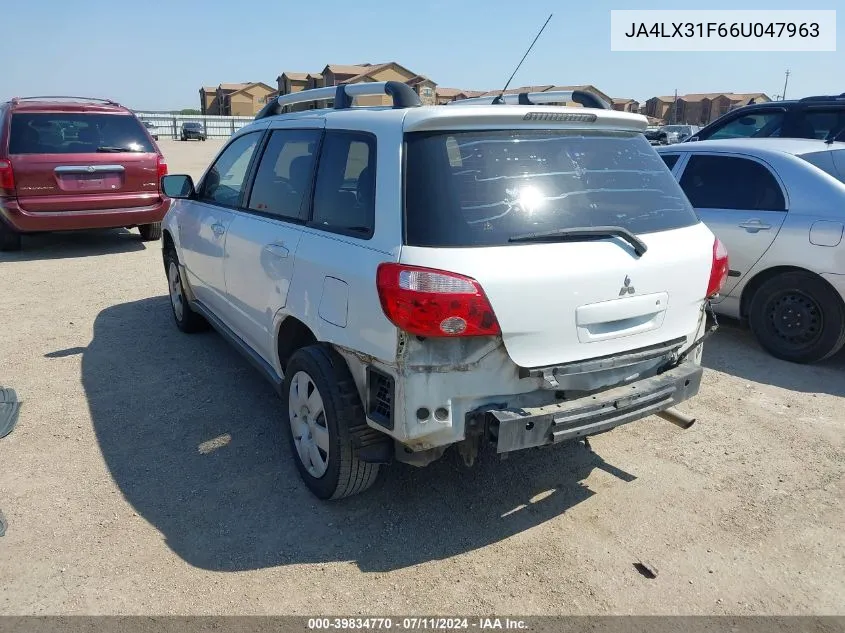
column 412, row 278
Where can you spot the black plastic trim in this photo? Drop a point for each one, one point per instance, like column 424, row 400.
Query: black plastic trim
column 238, row 343
column 342, row 101
column 582, row 97
column 374, row 378
column 271, row 109
column 403, row 95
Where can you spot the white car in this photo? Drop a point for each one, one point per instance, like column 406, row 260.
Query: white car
column 152, row 129
column 778, row 204
column 679, row 133
column 412, row 278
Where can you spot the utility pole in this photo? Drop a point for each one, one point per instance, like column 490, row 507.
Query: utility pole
column 785, row 82
column 675, row 108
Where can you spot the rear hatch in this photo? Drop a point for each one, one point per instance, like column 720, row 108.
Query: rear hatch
column 73, row 161
column 515, row 209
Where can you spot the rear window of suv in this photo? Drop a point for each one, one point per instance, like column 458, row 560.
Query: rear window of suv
column 76, row 133
column 482, row 188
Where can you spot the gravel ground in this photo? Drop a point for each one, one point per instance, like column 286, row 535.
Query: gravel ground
column 147, row 475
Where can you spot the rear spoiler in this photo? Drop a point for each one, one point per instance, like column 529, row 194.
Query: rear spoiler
column 582, row 97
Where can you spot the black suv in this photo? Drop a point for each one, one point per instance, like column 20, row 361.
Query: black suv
column 191, row 129
column 821, row 117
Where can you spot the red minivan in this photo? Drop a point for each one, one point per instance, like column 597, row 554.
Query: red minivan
column 77, row 163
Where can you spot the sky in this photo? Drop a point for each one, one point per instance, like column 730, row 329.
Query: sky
column 156, row 54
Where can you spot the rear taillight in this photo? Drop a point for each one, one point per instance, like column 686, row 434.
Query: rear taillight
column 429, row 302
column 7, row 178
column 718, row 269
column 162, row 168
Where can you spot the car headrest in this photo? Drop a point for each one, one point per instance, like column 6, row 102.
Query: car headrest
column 300, row 172
column 366, row 187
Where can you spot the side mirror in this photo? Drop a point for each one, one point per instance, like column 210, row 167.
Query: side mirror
column 177, row 186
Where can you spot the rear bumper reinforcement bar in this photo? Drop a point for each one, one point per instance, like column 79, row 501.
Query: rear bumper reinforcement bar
column 589, row 415
column 606, row 362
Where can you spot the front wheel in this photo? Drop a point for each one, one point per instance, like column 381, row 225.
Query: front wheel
column 798, row 317
column 186, row 319
column 324, row 415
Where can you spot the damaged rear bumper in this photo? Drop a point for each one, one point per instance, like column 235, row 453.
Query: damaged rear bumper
column 515, row 429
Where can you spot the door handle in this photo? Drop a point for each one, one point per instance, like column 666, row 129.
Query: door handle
column 754, row 225
column 218, row 229
column 278, row 250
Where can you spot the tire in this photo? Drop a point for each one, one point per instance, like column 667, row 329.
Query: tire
column 798, row 317
column 186, row 319
column 320, row 369
column 10, row 240
column 184, row 139
column 150, row 232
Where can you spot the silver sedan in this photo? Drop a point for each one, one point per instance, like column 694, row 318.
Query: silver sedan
column 778, row 205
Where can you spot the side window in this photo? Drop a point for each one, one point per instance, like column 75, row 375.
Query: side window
column 724, row 182
column 225, row 180
column 817, row 124
column 670, row 160
column 765, row 123
column 344, row 199
column 283, row 179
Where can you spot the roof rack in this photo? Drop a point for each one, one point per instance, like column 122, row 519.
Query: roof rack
column 343, row 95
column 586, row 99
column 824, row 98
column 65, row 98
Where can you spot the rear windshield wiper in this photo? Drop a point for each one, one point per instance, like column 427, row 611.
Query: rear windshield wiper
column 636, row 243
column 107, row 148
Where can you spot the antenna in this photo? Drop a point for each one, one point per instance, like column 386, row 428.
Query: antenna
column 501, row 94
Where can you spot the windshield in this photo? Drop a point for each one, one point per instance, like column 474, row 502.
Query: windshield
column 75, row 133
column 482, row 188
column 193, row 126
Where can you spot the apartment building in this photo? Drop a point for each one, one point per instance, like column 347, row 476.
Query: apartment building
column 699, row 108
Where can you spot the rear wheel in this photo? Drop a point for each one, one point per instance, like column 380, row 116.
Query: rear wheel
column 186, row 319
column 797, row 317
column 150, row 232
column 10, row 240
column 324, row 415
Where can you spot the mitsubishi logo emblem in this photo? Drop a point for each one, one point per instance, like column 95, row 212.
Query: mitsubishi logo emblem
column 627, row 288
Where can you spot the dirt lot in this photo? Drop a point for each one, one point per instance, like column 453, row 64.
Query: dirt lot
column 113, row 508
